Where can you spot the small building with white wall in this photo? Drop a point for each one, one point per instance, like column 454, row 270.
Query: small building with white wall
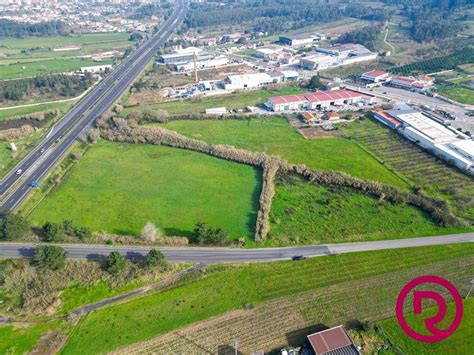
column 96, row 69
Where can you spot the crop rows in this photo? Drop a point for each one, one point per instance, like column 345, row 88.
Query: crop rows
column 420, row 167
column 288, row 320
column 450, row 61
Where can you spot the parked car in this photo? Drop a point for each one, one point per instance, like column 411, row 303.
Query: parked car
column 299, row 257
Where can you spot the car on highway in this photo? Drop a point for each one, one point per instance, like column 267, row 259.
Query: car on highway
column 19, row 171
column 42, row 150
column 34, row 184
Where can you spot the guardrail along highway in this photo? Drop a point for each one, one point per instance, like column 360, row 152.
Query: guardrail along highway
column 14, row 188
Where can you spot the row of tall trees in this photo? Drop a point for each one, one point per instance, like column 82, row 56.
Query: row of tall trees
column 15, row 29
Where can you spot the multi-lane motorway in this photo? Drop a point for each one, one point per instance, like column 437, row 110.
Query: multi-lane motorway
column 230, row 255
column 14, row 188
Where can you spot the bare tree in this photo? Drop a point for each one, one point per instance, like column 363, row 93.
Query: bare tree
column 150, row 233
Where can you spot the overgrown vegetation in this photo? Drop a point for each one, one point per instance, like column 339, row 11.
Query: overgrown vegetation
column 45, row 86
column 13, row 226
column 366, row 36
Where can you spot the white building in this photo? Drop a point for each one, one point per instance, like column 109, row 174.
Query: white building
column 96, row 69
column 319, row 100
column 376, row 76
column 205, row 63
column 444, row 142
column 317, row 62
column 247, row 81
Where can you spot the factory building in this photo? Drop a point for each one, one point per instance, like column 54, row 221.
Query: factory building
column 303, row 39
column 247, row 81
column 202, row 63
column 446, row 143
column 376, row 76
column 317, row 62
column 319, row 100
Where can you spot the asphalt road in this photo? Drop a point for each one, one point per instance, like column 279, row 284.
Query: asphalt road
column 82, row 116
column 229, row 255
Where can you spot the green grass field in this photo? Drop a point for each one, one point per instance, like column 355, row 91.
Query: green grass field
column 21, row 340
column 19, row 111
column 119, row 187
column 275, row 136
column 230, row 288
column 459, row 93
column 31, row 49
column 24, row 70
column 461, row 342
column 311, row 214
column 231, row 101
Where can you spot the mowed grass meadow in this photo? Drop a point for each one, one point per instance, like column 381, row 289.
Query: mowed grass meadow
column 303, row 213
column 227, row 288
column 274, row 136
column 119, row 187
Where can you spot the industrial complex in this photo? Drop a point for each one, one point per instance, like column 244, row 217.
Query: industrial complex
column 451, row 145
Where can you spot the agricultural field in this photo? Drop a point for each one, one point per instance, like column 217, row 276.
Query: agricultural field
column 437, row 64
column 462, row 340
column 311, row 292
column 232, row 101
column 273, row 135
column 460, row 90
column 25, row 70
column 35, row 54
column 422, row 169
column 173, row 188
column 27, row 48
column 303, row 213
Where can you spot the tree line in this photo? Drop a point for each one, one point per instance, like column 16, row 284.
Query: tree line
column 367, row 36
column 275, row 15
column 15, row 29
column 62, row 85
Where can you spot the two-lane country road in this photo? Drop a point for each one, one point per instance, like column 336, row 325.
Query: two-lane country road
column 231, row 255
column 14, row 188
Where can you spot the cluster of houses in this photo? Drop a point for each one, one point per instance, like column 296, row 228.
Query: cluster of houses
column 420, row 83
column 319, row 100
column 418, row 127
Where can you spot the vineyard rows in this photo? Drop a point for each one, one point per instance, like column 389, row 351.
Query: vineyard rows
column 451, row 61
column 420, row 167
column 288, row 320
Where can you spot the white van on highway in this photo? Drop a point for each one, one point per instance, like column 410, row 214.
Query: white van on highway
column 19, row 171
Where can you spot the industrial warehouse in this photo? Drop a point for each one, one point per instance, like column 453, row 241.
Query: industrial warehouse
column 445, row 142
column 319, row 100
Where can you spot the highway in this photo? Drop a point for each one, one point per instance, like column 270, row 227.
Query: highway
column 14, row 188
column 233, row 255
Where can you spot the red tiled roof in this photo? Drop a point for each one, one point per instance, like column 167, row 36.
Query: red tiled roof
column 329, row 340
column 405, row 79
column 318, row 96
column 374, row 73
column 387, row 117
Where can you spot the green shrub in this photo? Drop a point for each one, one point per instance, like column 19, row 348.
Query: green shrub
column 13, row 226
column 116, row 263
column 49, row 257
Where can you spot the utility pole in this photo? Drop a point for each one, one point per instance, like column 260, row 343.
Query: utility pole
column 470, row 289
column 196, row 78
column 235, row 345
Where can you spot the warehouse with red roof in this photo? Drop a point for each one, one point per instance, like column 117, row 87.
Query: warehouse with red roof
column 319, row 100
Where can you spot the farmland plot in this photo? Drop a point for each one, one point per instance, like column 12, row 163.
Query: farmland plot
column 287, row 321
column 423, row 169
